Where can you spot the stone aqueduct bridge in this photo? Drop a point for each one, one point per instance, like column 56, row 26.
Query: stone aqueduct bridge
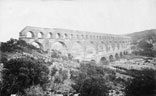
column 81, row 45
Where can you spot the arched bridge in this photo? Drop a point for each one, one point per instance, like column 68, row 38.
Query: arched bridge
column 80, row 44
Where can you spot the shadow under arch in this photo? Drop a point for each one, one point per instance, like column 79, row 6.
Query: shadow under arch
column 37, row 44
column 60, row 46
column 90, row 50
column 29, row 34
column 77, row 50
column 103, row 61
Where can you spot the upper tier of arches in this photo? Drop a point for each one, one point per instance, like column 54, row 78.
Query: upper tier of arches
column 42, row 33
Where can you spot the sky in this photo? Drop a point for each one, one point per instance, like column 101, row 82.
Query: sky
column 102, row 16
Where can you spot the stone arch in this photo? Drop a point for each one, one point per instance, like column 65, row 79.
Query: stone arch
column 121, row 54
column 77, row 36
column 58, row 35
column 86, row 36
column 103, row 61
column 90, row 50
column 49, row 35
column 65, row 36
column 91, row 36
column 117, row 56
column 40, row 35
column 111, row 59
column 82, row 36
column 60, row 46
column 37, row 44
column 29, row 34
column 77, row 50
column 71, row 36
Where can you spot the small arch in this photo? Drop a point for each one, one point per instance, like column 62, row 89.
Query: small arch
column 86, row 36
column 29, row 34
column 50, row 35
column 71, row 36
column 90, row 36
column 82, row 36
column 77, row 36
column 58, row 35
column 65, row 36
column 103, row 61
column 111, row 59
column 40, row 35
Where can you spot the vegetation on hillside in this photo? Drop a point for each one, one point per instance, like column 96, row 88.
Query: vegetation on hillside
column 21, row 73
column 29, row 71
column 142, row 84
column 144, row 43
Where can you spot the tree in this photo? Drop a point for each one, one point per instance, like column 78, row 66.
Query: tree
column 14, row 45
column 21, row 73
column 93, row 80
column 146, row 48
column 143, row 83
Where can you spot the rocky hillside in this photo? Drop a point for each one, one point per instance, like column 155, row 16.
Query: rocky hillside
column 147, row 34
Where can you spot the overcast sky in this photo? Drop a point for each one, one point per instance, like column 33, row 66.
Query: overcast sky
column 104, row 16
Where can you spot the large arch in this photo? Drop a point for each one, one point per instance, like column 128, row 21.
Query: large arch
column 103, row 61
column 90, row 50
column 111, row 59
column 60, row 46
column 77, row 50
column 37, row 44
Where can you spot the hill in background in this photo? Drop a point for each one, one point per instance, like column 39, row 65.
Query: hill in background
column 143, row 35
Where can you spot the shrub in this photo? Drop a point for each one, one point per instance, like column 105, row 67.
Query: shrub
column 143, row 83
column 93, row 80
column 94, row 86
column 21, row 73
column 35, row 91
